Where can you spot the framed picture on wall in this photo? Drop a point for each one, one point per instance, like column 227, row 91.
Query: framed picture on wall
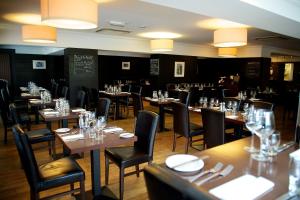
column 39, row 64
column 179, row 69
column 126, row 65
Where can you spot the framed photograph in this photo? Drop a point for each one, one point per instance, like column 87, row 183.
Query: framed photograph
column 154, row 67
column 39, row 64
column 288, row 71
column 179, row 69
column 126, row 65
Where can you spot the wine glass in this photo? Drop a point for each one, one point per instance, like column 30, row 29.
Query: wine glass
column 201, row 101
column 246, row 108
column 273, row 141
column 101, row 123
column 265, row 120
column 229, row 105
column 251, row 126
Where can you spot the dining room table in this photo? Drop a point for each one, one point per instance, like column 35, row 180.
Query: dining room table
column 85, row 143
column 115, row 96
column 161, row 104
column 37, row 104
column 272, row 176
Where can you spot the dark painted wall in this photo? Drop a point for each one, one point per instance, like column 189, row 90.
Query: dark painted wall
column 110, row 69
column 24, row 72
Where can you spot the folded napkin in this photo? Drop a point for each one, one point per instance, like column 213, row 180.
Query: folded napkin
column 79, row 110
column 51, row 113
column 73, row 137
column 36, row 101
column 248, row 187
column 232, row 116
column 197, row 110
column 25, row 94
column 112, row 129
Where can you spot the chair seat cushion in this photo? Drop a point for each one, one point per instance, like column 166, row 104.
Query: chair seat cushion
column 196, row 129
column 59, row 172
column 40, row 135
column 126, row 156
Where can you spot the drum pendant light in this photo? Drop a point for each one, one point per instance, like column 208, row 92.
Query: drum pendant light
column 161, row 45
column 38, row 34
column 230, row 37
column 70, row 14
column 227, row 52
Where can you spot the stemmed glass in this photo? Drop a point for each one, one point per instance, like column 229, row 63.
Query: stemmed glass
column 265, row 121
column 201, row 101
column 101, row 123
column 229, row 105
column 273, row 143
column 251, row 126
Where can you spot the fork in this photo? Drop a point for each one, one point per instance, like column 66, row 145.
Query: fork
column 213, row 170
column 222, row 173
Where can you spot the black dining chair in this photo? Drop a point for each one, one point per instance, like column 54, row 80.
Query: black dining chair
column 80, row 99
column 64, row 171
column 137, row 103
column 54, row 91
column 183, row 127
column 94, row 99
column 64, row 92
column 141, row 152
column 35, row 136
column 162, row 184
column 214, row 125
column 102, row 108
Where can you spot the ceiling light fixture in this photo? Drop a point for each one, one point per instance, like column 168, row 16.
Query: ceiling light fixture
column 161, row 35
column 161, row 45
column 227, row 52
column 230, row 37
column 216, row 23
column 70, row 14
column 23, row 18
column 38, row 34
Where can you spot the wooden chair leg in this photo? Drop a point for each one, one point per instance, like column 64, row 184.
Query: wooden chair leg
column 187, row 144
column 34, row 195
column 5, row 134
column 121, row 189
column 49, row 147
column 174, row 141
column 53, row 148
column 137, row 169
column 106, row 170
column 82, row 190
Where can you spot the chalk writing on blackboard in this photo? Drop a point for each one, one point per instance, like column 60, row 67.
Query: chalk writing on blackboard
column 253, row 70
column 84, row 64
column 154, row 67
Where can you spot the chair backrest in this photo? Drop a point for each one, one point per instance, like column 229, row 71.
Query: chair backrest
column 181, row 123
column 64, row 92
column 80, row 100
column 263, row 105
column 214, row 125
column 14, row 114
column 26, row 156
column 102, row 108
column 184, row 97
column 54, row 90
column 162, row 184
column 137, row 103
column 145, row 130
column 136, row 89
column 194, row 95
column 94, row 96
column 4, row 107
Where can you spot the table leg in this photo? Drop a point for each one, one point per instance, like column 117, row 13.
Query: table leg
column 161, row 118
column 117, row 108
column 64, row 123
column 36, row 114
column 95, row 170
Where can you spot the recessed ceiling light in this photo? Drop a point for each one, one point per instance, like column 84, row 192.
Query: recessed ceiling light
column 160, row 35
column 23, row 18
column 216, row 23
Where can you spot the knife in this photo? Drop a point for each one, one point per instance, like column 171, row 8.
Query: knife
column 285, row 146
column 223, row 173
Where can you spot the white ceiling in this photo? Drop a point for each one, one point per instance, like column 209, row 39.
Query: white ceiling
column 180, row 16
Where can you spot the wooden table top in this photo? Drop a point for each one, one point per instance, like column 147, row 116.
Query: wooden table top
column 56, row 117
column 233, row 153
column 121, row 94
column 88, row 144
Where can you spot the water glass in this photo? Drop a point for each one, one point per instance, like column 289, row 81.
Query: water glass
column 294, row 175
column 229, row 105
column 166, row 94
column 154, row 95
column 101, row 123
column 273, row 142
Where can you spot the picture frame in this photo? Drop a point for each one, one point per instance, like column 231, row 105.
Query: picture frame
column 39, row 64
column 179, row 69
column 125, row 65
column 154, row 67
column 288, row 71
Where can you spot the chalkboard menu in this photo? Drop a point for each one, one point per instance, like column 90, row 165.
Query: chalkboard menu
column 253, row 70
column 84, row 64
column 154, row 67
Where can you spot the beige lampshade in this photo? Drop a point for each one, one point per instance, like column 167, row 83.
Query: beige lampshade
column 38, row 34
column 161, row 45
column 227, row 52
column 230, row 37
column 70, row 14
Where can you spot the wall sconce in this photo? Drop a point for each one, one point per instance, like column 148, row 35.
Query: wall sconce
column 230, row 37
column 227, row 52
column 70, row 14
column 161, row 45
column 38, row 34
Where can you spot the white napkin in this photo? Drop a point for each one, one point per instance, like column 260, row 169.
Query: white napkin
column 232, row 116
column 198, row 110
column 126, row 135
column 25, row 94
column 78, row 110
column 245, row 187
column 113, row 129
column 51, row 113
column 73, row 137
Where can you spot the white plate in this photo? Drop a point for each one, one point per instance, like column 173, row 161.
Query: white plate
column 184, row 163
column 62, row 130
column 126, row 135
column 47, row 109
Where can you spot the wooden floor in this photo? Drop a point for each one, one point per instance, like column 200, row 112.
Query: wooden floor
column 13, row 183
